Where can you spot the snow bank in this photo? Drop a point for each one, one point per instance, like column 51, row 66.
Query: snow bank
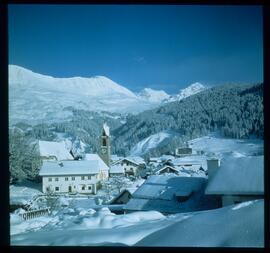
column 224, row 227
column 99, row 227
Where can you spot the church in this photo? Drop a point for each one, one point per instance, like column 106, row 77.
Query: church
column 78, row 176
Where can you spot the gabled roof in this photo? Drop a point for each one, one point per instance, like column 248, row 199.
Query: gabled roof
column 158, row 170
column 81, row 167
column 52, row 148
column 92, row 157
column 238, row 176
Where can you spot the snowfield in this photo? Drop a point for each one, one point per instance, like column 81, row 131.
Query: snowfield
column 222, row 147
column 153, row 141
column 239, row 226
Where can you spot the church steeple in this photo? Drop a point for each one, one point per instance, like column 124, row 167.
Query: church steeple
column 105, row 148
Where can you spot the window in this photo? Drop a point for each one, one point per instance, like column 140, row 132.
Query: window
column 73, row 178
column 66, row 178
column 89, row 177
column 83, row 187
column 82, row 177
column 104, row 142
column 56, row 188
column 89, row 187
column 56, row 179
column 50, row 179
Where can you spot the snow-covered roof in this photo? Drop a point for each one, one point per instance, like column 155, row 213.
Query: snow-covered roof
column 57, row 149
column 133, row 159
column 159, row 193
column 81, row 167
column 159, row 169
column 102, row 164
column 117, row 169
column 154, row 159
column 106, row 129
column 243, row 175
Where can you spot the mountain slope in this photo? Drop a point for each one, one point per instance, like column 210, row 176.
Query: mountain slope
column 153, row 141
column 186, row 92
column 235, row 110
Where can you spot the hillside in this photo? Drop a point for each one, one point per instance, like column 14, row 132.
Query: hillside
column 235, row 110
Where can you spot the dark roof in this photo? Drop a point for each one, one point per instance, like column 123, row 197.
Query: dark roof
column 238, row 176
column 159, row 193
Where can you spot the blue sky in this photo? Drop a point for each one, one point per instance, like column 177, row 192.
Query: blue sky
column 162, row 47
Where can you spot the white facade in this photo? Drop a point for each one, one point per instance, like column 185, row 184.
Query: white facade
column 70, row 183
column 129, row 166
column 81, row 176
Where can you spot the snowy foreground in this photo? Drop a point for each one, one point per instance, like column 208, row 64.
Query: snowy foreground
column 240, row 225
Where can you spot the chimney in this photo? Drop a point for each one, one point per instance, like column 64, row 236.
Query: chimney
column 212, row 167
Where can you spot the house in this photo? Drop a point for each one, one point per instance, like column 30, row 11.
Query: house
column 123, row 197
column 116, row 170
column 54, row 151
column 81, row 176
column 172, row 194
column 236, row 179
column 132, row 166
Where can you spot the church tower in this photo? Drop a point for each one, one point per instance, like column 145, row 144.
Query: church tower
column 105, row 148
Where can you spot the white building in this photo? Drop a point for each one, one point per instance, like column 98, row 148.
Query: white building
column 130, row 165
column 73, row 176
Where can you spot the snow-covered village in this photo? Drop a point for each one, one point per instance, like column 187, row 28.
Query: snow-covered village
column 129, row 141
column 100, row 194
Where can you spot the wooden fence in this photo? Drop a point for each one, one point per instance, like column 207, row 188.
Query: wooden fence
column 35, row 213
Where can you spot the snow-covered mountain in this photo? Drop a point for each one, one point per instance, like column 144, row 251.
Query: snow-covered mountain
column 190, row 90
column 36, row 98
column 156, row 96
column 93, row 86
column 39, row 98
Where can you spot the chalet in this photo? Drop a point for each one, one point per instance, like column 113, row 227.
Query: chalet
column 73, row 176
column 54, row 151
column 131, row 165
column 171, row 194
column 116, row 170
column 236, row 180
